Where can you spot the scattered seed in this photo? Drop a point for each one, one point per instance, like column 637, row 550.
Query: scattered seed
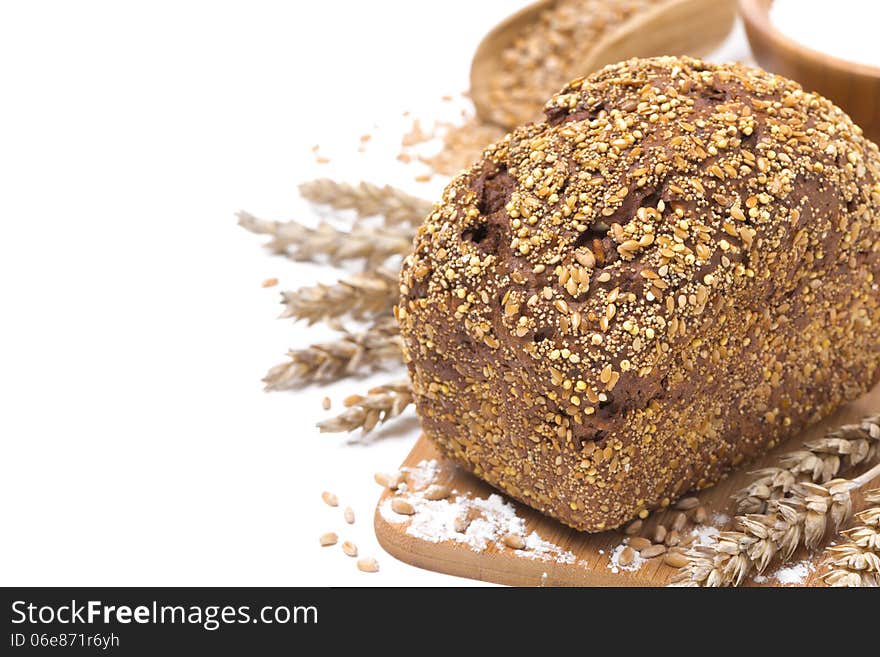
column 368, row 565
column 349, row 548
column 326, row 403
column 639, row 543
column 675, row 559
column 391, row 481
column 659, row 533
column 436, row 492
column 328, row 539
column 514, row 541
column 329, row 499
column 653, row 551
column 461, row 524
column 687, row 503
column 633, row 528
column 401, row 506
column 673, row 538
column 270, row 282
column 700, row 515
column 679, row 522
column 626, row 556
column 686, row 540
column 348, row 514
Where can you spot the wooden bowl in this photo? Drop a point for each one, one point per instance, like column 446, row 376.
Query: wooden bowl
column 853, row 86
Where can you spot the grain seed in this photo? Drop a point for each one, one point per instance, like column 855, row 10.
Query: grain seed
column 626, row 556
column 687, row 503
column 653, row 551
column 461, row 523
column 349, row 548
column 639, row 543
column 401, row 506
column 514, row 541
column 633, row 528
column 660, row 533
column 436, row 492
column 368, row 565
column 701, row 515
column 679, row 522
column 390, row 481
column 673, row 538
column 326, row 403
column 348, row 514
column 328, row 539
column 329, row 499
column 675, row 559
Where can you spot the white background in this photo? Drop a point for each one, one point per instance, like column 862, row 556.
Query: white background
column 137, row 445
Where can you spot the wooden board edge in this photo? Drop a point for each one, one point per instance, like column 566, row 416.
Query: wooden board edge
column 451, row 559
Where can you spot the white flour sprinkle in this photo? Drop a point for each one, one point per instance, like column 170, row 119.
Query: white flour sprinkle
column 704, row 534
column 795, row 573
column 615, row 566
column 422, row 475
column 491, row 519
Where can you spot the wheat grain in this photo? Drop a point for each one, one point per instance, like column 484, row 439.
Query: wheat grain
column 359, row 296
column 381, row 404
column 819, row 461
column 367, row 351
column 395, row 206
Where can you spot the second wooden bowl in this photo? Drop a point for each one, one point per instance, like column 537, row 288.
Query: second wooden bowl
column 853, row 86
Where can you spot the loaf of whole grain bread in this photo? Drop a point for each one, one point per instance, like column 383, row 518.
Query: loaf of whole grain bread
column 673, row 272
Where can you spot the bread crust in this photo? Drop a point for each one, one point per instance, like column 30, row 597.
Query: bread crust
column 674, row 272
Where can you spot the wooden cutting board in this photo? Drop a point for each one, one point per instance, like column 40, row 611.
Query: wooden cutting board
column 592, row 552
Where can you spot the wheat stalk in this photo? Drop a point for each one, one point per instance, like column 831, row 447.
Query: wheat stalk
column 369, row 350
column 857, row 562
column 360, row 295
column 819, row 461
column 803, row 517
column 377, row 407
column 299, row 242
column 395, row 206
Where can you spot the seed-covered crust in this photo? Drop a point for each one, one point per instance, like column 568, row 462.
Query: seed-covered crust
column 673, row 272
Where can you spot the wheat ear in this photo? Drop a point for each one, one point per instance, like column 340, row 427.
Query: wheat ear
column 395, row 206
column 857, row 562
column 374, row 245
column 377, row 407
column 369, row 350
column 803, row 517
column 358, row 296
